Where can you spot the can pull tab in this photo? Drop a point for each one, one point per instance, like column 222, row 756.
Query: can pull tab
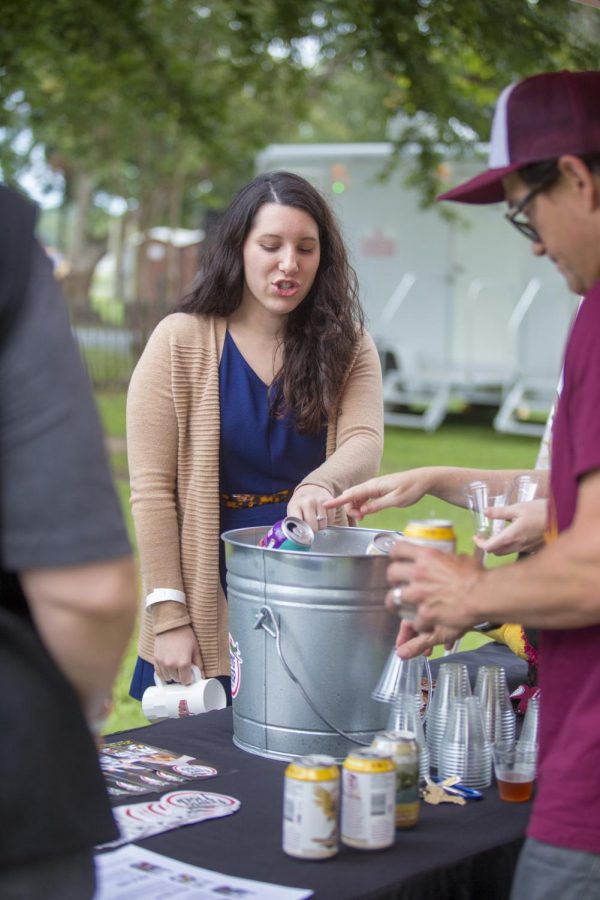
column 263, row 617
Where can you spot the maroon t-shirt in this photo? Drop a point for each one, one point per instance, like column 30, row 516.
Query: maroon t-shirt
column 567, row 807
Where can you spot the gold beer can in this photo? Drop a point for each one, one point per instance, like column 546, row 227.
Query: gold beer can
column 311, row 801
column 404, row 750
column 368, row 800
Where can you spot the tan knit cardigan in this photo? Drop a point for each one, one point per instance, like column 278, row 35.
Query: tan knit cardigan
column 173, row 448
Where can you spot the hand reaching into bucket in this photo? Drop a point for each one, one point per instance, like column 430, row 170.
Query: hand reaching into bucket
column 399, row 489
column 308, row 503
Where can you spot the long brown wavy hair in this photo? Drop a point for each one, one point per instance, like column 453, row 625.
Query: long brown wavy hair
column 322, row 333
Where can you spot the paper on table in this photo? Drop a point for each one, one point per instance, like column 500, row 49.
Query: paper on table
column 133, row 873
column 141, row 820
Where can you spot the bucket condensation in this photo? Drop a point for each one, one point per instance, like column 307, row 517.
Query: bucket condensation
column 309, row 637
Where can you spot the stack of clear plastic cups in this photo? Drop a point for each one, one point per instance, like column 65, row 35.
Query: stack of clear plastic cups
column 528, row 739
column 452, row 682
column 400, row 676
column 496, row 707
column 464, row 750
column 405, row 717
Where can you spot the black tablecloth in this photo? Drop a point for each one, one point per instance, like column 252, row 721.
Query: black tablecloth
column 455, row 852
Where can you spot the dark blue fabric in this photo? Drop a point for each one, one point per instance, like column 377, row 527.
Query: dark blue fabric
column 258, row 455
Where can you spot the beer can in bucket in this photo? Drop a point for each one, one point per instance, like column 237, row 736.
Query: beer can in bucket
column 404, row 750
column 439, row 534
column 382, row 543
column 290, row 533
column 310, row 807
column 368, row 820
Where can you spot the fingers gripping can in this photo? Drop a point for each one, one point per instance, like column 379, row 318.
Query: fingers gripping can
column 288, row 534
column 368, row 800
column 310, row 807
column 404, row 750
column 438, row 534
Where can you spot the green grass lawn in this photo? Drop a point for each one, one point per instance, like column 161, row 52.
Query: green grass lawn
column 456, row 443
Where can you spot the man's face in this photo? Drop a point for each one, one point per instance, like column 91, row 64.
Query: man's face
column 566, row 225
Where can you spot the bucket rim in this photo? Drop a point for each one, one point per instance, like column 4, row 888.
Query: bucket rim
column 228, row 537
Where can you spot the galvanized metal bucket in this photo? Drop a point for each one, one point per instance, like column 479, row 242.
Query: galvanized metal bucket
column 309, row 637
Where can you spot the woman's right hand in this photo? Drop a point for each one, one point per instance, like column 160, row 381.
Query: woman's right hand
column 398, row 489
column 175, row 652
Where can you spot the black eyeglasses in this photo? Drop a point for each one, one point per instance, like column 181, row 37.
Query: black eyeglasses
column 524, row 225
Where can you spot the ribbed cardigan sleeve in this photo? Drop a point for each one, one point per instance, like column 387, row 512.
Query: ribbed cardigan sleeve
column 173, row 428
column 355, row 435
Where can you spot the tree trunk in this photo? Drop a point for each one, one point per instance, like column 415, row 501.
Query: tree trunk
column 83, row 251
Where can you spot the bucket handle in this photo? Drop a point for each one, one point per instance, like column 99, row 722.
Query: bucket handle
column 266, row 620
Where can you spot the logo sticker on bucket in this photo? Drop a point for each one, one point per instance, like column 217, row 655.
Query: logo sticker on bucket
column 235, row 662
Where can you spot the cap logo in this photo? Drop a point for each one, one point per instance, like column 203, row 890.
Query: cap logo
column 499, row 154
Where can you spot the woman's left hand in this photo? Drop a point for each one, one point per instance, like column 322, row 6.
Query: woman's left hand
column 307, row 504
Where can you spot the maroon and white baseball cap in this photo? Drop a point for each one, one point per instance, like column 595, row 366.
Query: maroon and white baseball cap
column 539, row 118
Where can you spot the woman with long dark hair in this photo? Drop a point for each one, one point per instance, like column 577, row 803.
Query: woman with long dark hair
column 259, row 398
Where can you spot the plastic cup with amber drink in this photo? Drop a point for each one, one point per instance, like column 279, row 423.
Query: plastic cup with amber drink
column 514, row 767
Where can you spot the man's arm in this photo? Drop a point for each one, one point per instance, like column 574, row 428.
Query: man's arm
column 85, row 616
column 557, row 588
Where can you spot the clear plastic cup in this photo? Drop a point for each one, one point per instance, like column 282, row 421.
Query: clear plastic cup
column 464, row 750
column 498, row 715
column 528, row 739
column 524, row 488
column 514, row 768
column 452, row 682
column 480, row 496
column 399, row 676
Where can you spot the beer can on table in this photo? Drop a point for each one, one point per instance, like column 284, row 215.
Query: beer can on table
column 288, row 534
column 436, row 533
column 382, row 543
column 311, row 802
column 368, row 819
column 404, row 750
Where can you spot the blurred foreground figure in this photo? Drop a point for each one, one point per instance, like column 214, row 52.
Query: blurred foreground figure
column 67, row 585
column 545, row 162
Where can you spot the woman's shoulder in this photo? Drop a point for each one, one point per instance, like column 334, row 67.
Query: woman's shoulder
column 188, row 329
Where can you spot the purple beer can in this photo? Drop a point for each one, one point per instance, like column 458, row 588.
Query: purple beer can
column 288, row 534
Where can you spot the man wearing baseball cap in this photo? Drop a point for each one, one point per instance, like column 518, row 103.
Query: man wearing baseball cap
column 545, row 163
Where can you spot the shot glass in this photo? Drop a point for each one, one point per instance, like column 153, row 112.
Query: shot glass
column 514, row 768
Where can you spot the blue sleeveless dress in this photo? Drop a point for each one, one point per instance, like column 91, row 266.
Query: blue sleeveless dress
column 258, row 455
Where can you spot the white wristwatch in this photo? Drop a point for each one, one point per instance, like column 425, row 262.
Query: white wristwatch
column 159, row 595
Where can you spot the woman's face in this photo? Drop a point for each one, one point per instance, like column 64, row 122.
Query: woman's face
column 281, row 258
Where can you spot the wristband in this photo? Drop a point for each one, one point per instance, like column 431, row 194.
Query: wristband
column 159, row 595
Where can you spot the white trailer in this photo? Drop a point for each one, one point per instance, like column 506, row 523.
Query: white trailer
column 458, row 309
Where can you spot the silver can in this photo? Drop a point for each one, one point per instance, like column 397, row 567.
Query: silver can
column 382, row 543
column 311, row 801
column 368, row 800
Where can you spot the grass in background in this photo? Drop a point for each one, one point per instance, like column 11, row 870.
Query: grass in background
column 456, row 443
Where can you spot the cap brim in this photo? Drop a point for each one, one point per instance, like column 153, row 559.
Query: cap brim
column 484, row 188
